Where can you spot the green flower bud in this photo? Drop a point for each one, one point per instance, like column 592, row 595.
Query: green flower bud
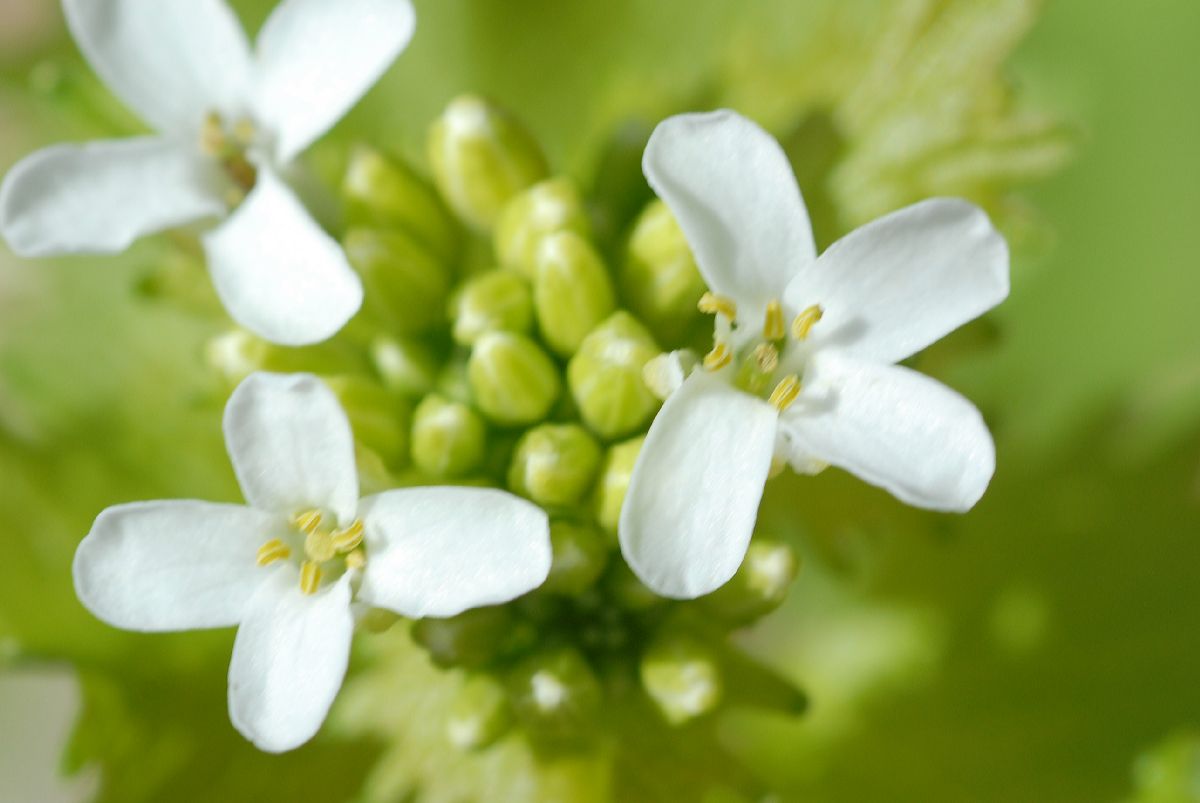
column 479, row 714
column 378, row 417
column 555, row 694
column 496, row 301
column 759, row 586
column 406, row 366
column 572, row 292
column 405, row 286
column 544, row 208
column 554, row 464
column 606, row 377
column 378, row 620
column 448, row 438
column 237, row 353
column 580, row 555
column 659, row 278
column 614, row 482
column 481, row 158
column 682, row 677
column 385, row 192
column 471, row 639
column 452, row 381
column 512, row 380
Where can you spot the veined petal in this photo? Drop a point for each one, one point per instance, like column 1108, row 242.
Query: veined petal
column 317, row 58
column 914, row 437
column 289, row 659
column 440, row 551
column 100, row 197
column 291, row 445
column 169, row 62
column 897, row 284
column 277, row 273
column 733, row 192
column 693, row 497
column 172, row 565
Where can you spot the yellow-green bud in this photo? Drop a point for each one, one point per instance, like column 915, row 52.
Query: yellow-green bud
column 385, row 192
column 479, row 714
column 448, row 438
column 553, row 205
column 554, row 464
column 496, row 301
column 759, row 586
column 606, row 377
column 659, row 278
column 614, row 482
column 405, row 285
column 378, row 417
column 571, row 292
column 237, row 353
column 471, row 639
column 406, row 366
column 452, row 380
column 555, row 694
column 481, row 157
column 512, row 380
column 580, row 555
column 682, row 677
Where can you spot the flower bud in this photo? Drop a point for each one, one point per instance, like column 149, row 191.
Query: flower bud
column 553, row 205
column 759, row 586
column 378, row 417
column 580, row 555
column 614, row 482
column 555, row 694
column 406, row 366
column 554, row 464
column 405, row 286
column 571, row 292
column 237, row 353
column 682, row 677
column 448, row 438
column 659, row 278
column 479, row 714
column 512, row 380
column 481, row 158
column 605, row 377
column 496, row 301
column 471, row 639
column 385, row 192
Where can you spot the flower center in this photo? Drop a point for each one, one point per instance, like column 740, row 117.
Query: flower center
column 327, row 553
column 757, row 361
column 228, row 144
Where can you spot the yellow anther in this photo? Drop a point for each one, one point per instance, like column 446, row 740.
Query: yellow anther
column 713, row 304
column 805, row 321
column 310, row 577
column 348, row 539
column 308, row 521
column 718, row 358
column 212, row 134
column 766, row 356
column 356, row 559
column 773, row 323
column 272, row 551
column 244, row 131
column 318, row 545
column 785, row 392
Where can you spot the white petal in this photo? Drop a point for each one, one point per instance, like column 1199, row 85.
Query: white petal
column 693, row 497
column 277, row 273
column 100, row 197
column 289, row 659
column 894, row 428
column 316, row 58
column 291, row 445
column 172, row 565
column 897, row 284
column 440, row 551
column 171, row 62
column 732, row 190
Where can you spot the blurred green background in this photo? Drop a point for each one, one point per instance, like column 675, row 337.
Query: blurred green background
column 1031, row 650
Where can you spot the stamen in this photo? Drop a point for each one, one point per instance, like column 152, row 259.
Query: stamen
column 348, row 539
column 773, row 323
column 243, row 174
column 212, row 135
column 785, row 392
column 805, row 321
column 310, row 577
column 308, row 521
column 718, row 358
column 713, row 304
column 273, row 550
column 319, row 546
column 244, row 131
column 766, row 356
column 356, row 559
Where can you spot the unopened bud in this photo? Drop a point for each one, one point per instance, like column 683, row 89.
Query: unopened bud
column 572, row 292
column 496, row 301
column 479, row 714
column 580, row 555
column 378, row 417
column 405, row 285
column 512, row 380
column 659, row 278
column 551, row 206
column 481, row 158
column 554, row 464
column 471, row 639
column 682, row 677
column 613, row 483
column 448, row 438
column 555, row 694
column 606, row 377
column 404, row 365
column 759, row 586
column 237, row 353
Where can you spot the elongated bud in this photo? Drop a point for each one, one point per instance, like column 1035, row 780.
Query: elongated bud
column 480, row 713
column 555, row 694
column 613, row 483
column 551, row 206
column 448, row 438
column 481, row 158
column 496, row 301
column 405, row 365
column 606, row 379
column 659, row 278
column 472, row 639
column 236, row 354
column 512, row 380
column 554, row 464
column 572, row 292
column 379, row 418
column 759, row 586
column 406, row 287
column 682, row 677
column 385, row 192
column 580, row 555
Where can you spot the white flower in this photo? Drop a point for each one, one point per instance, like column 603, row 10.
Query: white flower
column 228, row 121
column 286, row 568
column 802, row 366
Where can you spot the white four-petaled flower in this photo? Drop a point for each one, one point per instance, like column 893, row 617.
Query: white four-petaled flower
column 228, row 121
column 286, row 568
column 803, row 363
